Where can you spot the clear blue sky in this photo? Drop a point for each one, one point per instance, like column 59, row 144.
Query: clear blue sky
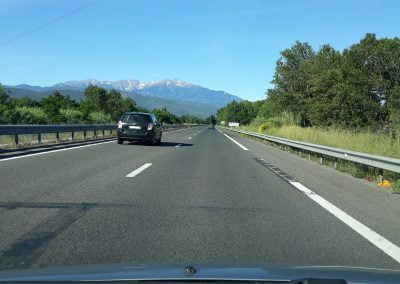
column 225, row 45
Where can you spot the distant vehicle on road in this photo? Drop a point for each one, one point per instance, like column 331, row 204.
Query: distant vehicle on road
column 139, row 126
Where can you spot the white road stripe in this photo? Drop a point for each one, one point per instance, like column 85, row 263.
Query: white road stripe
column 138, row 170
column 237, row 143
column 190, row 138
column 195, row 134
column 54, row 151
column 179, row 145
column 377, row 240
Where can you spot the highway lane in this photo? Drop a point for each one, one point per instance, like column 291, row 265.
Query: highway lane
column 73, row 175
column 206, row 200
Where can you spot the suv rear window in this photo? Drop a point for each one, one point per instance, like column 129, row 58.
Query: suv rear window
column 135, row 118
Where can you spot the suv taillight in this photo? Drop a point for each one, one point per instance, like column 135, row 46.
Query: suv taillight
column 120, row 123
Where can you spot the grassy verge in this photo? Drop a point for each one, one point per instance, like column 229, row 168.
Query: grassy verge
column 396, row 186
column 366, row 142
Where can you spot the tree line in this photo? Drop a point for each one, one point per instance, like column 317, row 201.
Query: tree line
column 356, row 88
column 98, row 106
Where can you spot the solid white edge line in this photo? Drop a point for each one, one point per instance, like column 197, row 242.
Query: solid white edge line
column 237, row 143
column 139, row 170
column 54, row 151
column 377, row 240
column 179, row 145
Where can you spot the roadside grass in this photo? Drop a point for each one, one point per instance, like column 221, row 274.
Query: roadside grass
column 7, row 141
column 366, row 142
column 396, row 186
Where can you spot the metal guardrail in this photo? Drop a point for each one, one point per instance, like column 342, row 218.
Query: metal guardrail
column 374, row 161
column 16, row 130
column 34, row 129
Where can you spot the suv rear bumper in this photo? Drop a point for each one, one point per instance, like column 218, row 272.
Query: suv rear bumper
column 136, row 135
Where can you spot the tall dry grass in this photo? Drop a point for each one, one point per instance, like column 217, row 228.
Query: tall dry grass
column 366, row 142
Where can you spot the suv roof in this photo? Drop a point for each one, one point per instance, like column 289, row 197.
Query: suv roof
column 137, row 112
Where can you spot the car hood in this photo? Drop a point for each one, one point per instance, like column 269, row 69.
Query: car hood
column 134, row 271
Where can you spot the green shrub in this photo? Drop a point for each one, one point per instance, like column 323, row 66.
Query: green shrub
column 8, row 116
column 276, row 122
column 31, row 115
column 99, row 117
column 396, row 186
column 262, row 128
column 71, row 116
column 359, row 171
column 258, row 121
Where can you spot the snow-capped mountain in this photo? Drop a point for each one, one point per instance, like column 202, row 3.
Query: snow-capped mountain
column 168, row 89
column 121, row 85
column 178, row 96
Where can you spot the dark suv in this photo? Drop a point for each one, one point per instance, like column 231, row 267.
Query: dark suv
column 139, row 126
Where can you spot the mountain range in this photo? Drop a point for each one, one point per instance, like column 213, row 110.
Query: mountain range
column 178, row 96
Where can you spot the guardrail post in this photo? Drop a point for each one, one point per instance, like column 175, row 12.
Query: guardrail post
column 16, row 140
column 110, row 132
column 84, row 135
column 57, row 137
column 380, row 176
column 95, row 133
column 335, row 164
column 309, row 157
column 39, row 138
column 72, row 136
column 320, row 160
column 103, row 133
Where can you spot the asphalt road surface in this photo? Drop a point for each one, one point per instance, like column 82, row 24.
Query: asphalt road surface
column 198, row 197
